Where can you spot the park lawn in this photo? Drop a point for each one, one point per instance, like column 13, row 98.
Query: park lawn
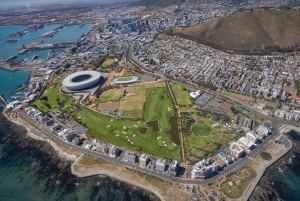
column 199, row 153
column 159, row 107
column 55, row 100
column 202, row 129
column 238, row 96
column 181, row 95
column 107, row 62
column 111, row 95
column 124, row 79
column 125, row 133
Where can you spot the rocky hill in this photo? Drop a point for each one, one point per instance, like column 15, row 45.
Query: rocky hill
column 249, row 32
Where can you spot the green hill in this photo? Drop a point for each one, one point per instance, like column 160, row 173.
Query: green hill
column 250, row 32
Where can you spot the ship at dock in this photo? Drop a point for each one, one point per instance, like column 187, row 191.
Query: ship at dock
column 11, row 58
column 34, row 57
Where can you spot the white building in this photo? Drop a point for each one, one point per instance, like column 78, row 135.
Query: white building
column 251, row 137
column 195, row 94
column 113, row 151
column 236, row 150
column 143, row 160
column 203, row 170
column 264, row 129
column 174, row 168
column 129, row 156
column 160, row 165
column 245, row 144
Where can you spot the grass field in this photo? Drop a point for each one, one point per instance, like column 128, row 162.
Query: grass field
column 107, row 62
column 133, row 104
column 111, row 95
column 124, row 79
column 240, row 181
column 125, row 133
column 181, row 95
column 206, row 138
column 202, row 129
column 239, row 96
column 159, row 107
column 53, row 100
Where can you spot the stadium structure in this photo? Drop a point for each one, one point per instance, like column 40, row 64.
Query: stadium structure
column 82, row 80
column 125, row 80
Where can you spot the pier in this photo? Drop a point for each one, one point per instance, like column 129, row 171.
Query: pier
column 47, row 46
column 3, row 100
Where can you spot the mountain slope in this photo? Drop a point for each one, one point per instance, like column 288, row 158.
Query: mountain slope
column 250, row 32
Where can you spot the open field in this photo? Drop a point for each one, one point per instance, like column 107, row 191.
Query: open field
column 270, row 105
column 202, row 129
column 238, row 96
column 159, row 107
column 107, row 106
column 181, row 95
column 53, row 100
column 126, row 133
column 107, row 62
column 133, row 103
column 111, row 95
column 238, row 182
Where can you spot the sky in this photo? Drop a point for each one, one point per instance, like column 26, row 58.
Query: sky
column 32, row 2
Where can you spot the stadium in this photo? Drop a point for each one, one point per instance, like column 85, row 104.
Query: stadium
column 81, row 80
column 125, row 80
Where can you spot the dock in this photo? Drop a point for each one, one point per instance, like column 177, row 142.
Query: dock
column 3, row 100
column 46, row 46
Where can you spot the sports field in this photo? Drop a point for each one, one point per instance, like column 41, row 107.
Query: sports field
column 107, row 62
column 181, row 95
column 133, row 103
column 111, row 95
column 52, row 100
column 126, row 133
column 159, row 107
column 124, row 79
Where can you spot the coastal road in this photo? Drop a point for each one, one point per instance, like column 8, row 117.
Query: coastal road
column 151, row 172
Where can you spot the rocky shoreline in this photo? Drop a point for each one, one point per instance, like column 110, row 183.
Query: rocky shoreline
column 267, row 189
column 26, row 139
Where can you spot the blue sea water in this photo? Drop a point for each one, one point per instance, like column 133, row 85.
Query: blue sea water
column 29, row 171
column 10, row 81
column 66, row 34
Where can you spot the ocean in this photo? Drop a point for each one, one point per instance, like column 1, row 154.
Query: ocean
column 66, row 34
column 31, row 171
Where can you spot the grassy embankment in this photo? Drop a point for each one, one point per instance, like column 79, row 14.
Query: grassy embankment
column 53, row 100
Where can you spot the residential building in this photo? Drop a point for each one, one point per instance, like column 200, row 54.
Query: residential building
column 225, row 158
column 143, row 160
column 236, row 150
column 160, row 165
column 174, row 168
column 130, row 157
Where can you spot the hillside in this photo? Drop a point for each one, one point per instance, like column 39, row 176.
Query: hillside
column 250, row 32
column 166, row 3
